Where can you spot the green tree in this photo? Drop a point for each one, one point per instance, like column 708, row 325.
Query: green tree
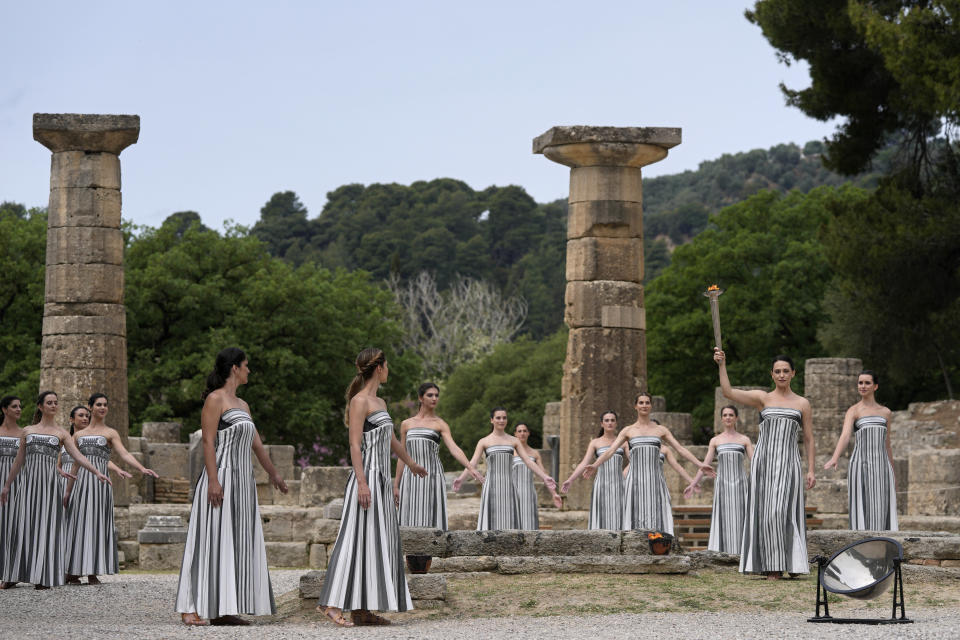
column 522, row 376
column 283, row 225
column 190, row 296
column 766, row 254
column 24, row 234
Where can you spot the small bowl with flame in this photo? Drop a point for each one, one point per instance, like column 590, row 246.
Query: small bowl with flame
column 660, row 543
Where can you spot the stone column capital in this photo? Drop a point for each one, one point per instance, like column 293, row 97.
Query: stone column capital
column 584, row 146
column 85, row 132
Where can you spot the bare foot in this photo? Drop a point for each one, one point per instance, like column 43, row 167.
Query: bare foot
column 335, row 615
column 193, row 620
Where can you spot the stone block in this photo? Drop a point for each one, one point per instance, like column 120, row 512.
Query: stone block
column 624, row 564
column 162, row 530
column 320, row 485
column 585, row 301
column 464, row 564
column 139, row 514
column 318, row 556
column 130, row 550
column 83, row 350
column 623, row 184
column 601, row 136
column 605, row 219
column 81, row 170
column 333, row 509
column 84, row 245
column 423, row 541
column 933, row 478
column 680, row 424
column 828, row 495
column 107, row 133
column 830, row 384
column 135, row 444
column 599, row 258
column 287, row 554
column 324, row 531
column 264, row 494
column 112, row 325
column 551, row 419
column 278, row 525
column 291, row 498
column 169, row 460
column 559, row 543
column 917, row 545
column 480, row 543
column 84, row 283
column 162, row 432
column 121, row 523
column 84, row 208
column 160, row 557
column 282, row 458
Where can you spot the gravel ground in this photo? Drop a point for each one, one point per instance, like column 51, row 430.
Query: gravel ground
column 141, row 606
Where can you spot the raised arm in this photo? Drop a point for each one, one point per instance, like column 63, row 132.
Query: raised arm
column 565, row 487
column 753, row 397
column 808, row 444
column 848, row 419
column 116, row 442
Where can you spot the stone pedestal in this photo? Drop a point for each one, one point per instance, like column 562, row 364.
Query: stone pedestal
column 84, row 348
column 830, row 384
column 606, row 352
column 161, row 543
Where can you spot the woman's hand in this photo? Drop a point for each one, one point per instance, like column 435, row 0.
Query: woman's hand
column 65, row 474
column 3, row 495
column 149, row 472
column 279, row 483
column 103, row 478
column 477, row 475
column 457, row 483
column 557, row 500
column 719, row 356
column 418, row 470
column 363, row 495
column 396, row 494
column 565, row 487
column 830, row 464
column 811, row 480
column 124, row 474
column 589, row 470
column 66, row 500
column 214, row 493
column 708, row 470
column 688, row 492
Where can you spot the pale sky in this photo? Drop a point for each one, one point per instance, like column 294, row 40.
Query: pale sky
column 242, row 99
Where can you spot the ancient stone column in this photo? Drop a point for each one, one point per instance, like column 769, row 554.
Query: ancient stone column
column 84, row 346
column 606, row 351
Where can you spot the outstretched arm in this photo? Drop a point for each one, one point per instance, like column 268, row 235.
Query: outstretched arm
column 457, row 452
column 261, row 452
column 619, row 442
column 753, row 397
column 695, row 483
column 672, row 461
column 844, row 440
column 565, row 487
column 400, row 465
column 808, row 444
column 525, row 454
column 478, row 451
column 682, row 450
column 116, row 442
column 80, row 459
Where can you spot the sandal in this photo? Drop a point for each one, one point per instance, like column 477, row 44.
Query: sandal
column 335, row 616
column 368, row 618
column 92, row 580
column 40, row 587
column 229, row 621
column 774, row 575
column 193, row 621
column 7, row 585
column 71, row 579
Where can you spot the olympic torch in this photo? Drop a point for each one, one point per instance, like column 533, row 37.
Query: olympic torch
column 713, row 292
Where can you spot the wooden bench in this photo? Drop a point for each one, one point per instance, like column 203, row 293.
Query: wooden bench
column 691, row 523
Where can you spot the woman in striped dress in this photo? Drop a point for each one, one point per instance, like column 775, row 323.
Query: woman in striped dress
column 10, row 433
column 365, row 571
column 224, row 568
column 774, row 534
column 871, row 485
column 499, row 503
column 35, row 554
column 731, row 449
column 79, row 419
column 423, row 501
column 91, row 536
column 606, row 497
column 646, row 502
column 523, row 482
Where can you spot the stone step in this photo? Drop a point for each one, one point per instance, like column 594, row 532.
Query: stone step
column 442, row 544
column 646, row 563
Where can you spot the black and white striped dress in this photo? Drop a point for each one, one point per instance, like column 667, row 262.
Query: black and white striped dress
column 66, row 463
column 423, row 501
column 499, row 505
column 522, row 478
column 774, row 534
column 224, row 568
column 606, row 498
column 870, row 484
column 365, row 570
column 35, row 554
column 8, row 517
column 646, row 501
column 729, row 499
column 91, row 539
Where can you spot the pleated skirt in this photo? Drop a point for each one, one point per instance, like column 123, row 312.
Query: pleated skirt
column 774, row 535
column 8, row 515
column 91, row 538
column 423, row 501
column 35, row 553
column 522, row 478
column 870, row 481
column 499, row 505
column 606, row 497
column 729, row 500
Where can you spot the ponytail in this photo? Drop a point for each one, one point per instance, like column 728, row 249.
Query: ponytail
column 367, row 362
column 225, row 361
